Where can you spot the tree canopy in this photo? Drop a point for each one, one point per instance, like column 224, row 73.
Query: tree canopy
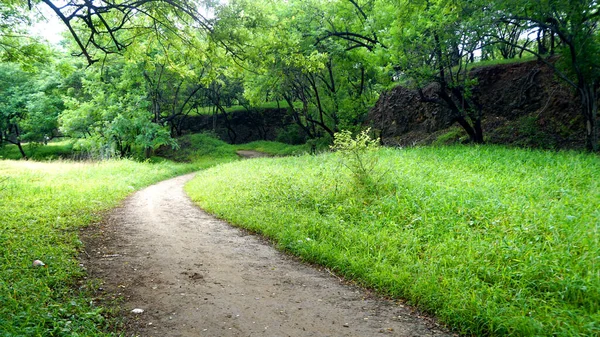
column 148, row 64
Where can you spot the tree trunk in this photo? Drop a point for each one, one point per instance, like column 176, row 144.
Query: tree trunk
column 20, row 146
column 214, row 119
column 474, row 131
column 17, row 141
column 297, row 119
column 478, row 131
column 230, row 131
column 321, row 121
column 589, row 106
column 467, row 127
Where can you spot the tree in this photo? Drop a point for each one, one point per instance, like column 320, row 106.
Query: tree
column 113, row 113
column 576, row 25
column 14, row 88
column 94, row 25
column 30, row 102
column 434, row 41
column 294, row 56
column 15, row 44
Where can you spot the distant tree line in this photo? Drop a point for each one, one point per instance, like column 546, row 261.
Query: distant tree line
column 147, row 64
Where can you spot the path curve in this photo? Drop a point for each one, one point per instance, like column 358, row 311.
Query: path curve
column 194, row 275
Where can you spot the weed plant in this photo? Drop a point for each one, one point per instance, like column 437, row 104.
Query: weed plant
column 358, row 154
column 493, row 241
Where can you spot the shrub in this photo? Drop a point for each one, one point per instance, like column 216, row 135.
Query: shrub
column 358, row 155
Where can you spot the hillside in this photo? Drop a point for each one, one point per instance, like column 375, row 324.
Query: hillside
column 523, row 105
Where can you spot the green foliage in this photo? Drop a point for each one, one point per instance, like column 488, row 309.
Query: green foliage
column 291, row 134
column 112, row 113
column 36, row 151
column 42, row 207
column 16, row 46
column 201, row 149
column 493, row 241
column 451, row 137
column 30, row 101
column 495, row 62
column 358, row 154
column 328, row 85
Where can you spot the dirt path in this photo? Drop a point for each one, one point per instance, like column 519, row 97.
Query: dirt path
column 194, row 275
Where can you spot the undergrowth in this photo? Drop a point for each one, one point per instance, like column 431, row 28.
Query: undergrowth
column 35, row 151
column 493, row 241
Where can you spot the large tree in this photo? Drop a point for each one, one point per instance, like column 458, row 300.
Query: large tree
column 95, row 24
column 292, row 54
column 30, row 101
column 433, row 41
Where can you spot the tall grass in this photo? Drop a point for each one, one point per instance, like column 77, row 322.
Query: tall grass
column 54, row 150
column 493, row 241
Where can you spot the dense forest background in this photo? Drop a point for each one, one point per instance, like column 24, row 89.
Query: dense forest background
column 131, row 76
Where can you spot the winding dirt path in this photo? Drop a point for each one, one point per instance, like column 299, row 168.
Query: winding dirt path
column 194, row 275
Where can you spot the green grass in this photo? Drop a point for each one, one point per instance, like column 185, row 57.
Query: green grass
column 275, row 148
column 54, row 150
column 200, row 149
column 42, row 207
column 496, row 62
column 493, row 241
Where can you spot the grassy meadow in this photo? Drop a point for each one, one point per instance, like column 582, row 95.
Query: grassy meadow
column 275, row 148
column 493, row 241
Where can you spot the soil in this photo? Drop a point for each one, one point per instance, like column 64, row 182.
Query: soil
column 523, row 104
column 195, row 275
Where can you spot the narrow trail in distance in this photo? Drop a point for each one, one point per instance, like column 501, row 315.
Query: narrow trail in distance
column 194, row 275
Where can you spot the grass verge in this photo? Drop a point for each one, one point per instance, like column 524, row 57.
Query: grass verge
column 493, row 241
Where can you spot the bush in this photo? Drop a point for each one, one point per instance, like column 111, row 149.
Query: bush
column 358, row 155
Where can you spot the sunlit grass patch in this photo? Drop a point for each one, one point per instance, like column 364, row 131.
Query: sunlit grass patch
column 275, row 148
column 51, row 151
column 493, row 241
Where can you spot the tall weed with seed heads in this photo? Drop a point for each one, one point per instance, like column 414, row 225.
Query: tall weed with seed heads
column 358, row 155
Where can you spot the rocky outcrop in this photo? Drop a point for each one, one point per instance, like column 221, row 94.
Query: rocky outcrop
column 523, row 104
